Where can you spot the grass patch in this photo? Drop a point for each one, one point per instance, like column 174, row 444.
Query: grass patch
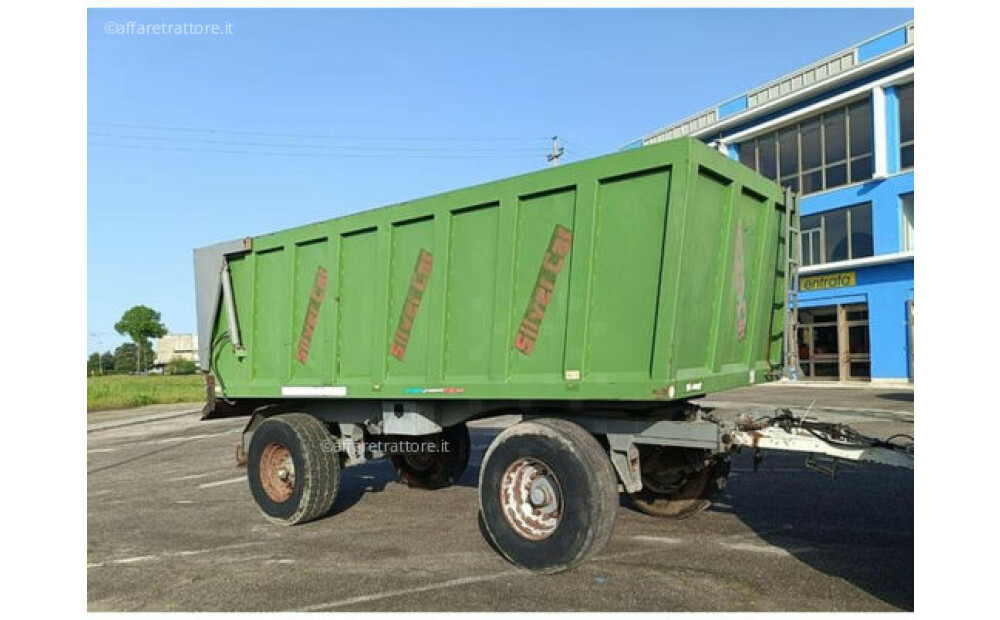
column 127, row 391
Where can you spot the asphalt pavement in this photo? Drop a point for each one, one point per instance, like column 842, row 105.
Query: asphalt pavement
column 172, row 526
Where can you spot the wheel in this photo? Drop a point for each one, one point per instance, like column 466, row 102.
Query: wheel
column 676, row 483
column 293, row 468
column 548, row 495
column 425, row 469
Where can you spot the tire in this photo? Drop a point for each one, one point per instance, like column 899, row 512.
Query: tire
column 436, row 470
column 309, row 489
column 693, row 492
column 570, row 511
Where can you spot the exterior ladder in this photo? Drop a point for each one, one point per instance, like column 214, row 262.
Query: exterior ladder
column 793, row 260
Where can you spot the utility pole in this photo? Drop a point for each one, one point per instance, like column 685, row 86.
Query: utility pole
column 557, row 152
column 100, row 345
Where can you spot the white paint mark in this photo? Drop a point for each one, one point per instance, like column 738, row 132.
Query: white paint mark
column 139, row 558
column 217, row 483
column 208, row 550
column 102, row 450
column 447, row 584
column 187, row 438
column 765, row 548
column 280, row 561
column 393, row 593
column 184, row 501
column 95, row 564
column 191, row 477
column 659, row 539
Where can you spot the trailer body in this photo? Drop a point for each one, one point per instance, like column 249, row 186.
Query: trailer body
column 655, row 274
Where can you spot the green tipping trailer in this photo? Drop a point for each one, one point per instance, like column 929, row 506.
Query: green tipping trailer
column 592, row 299
column 649, row 275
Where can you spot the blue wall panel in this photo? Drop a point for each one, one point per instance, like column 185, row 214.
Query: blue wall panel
column 885, row 43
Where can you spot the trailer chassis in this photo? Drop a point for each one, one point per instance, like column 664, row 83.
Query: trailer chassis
column 562, row 457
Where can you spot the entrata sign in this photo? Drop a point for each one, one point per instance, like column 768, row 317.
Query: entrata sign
column 828, row 280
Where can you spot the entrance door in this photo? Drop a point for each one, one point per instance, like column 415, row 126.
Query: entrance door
column 834, row 343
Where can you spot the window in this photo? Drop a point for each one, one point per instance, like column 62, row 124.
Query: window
column 837, row 235
column 820, row 152
column 906, row 126
column 906, row 201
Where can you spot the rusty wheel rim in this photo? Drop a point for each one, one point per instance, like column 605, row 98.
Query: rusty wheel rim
column 277, row 472
column 531, row 498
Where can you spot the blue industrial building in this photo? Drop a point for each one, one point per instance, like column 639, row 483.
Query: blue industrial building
column 839, row 132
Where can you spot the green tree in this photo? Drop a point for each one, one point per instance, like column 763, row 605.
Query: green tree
column 94, row 364
column 107, row 362
column 126, row 360
column 140, row 323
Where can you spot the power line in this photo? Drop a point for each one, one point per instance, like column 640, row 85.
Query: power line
column 318, row 136
column 351, row 147
column 312, row 155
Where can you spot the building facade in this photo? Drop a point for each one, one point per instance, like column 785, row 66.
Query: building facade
column 839, row 132
column 182, row 346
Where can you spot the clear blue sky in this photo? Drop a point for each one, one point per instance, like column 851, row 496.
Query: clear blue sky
column 198, row 139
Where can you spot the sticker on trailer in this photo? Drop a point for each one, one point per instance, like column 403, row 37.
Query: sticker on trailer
column 312, row 315
column 441, row 390
column 740, row 285
column 308, row 391
column 415, row 294
column 552, row 263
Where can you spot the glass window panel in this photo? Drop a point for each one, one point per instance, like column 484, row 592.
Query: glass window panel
column 766, row 157
column 861, row 169
column 861, row 370
column 906, row 113
column 788, row 153
column 807, row 249
column 791, row 182
column 906, row 156
column 836, row 175
column 907, row 200
column 812, row 182
column 834, row 136
column 811, row 154
column 835, row 231
column 857, row 339
column 861, row 231
column 826, row 370
column 825, row 340
column 858, row 314
column 861, row 128
column 748, row 154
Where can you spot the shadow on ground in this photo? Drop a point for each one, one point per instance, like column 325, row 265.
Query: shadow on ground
column 903, row 397
column 858, row 527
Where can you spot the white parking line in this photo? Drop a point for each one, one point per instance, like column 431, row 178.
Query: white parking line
column 765, row 548
column 217, row 483
column 392, row 593
column 448, row 584
column 659, row 539
column 171, row 554
column 102, row 450
column 191, row 477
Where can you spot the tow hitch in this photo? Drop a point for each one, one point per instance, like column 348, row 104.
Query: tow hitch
column 826, row 443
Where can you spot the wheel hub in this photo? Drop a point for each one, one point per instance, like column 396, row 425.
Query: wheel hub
column 531, row 498
column 277, row 472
